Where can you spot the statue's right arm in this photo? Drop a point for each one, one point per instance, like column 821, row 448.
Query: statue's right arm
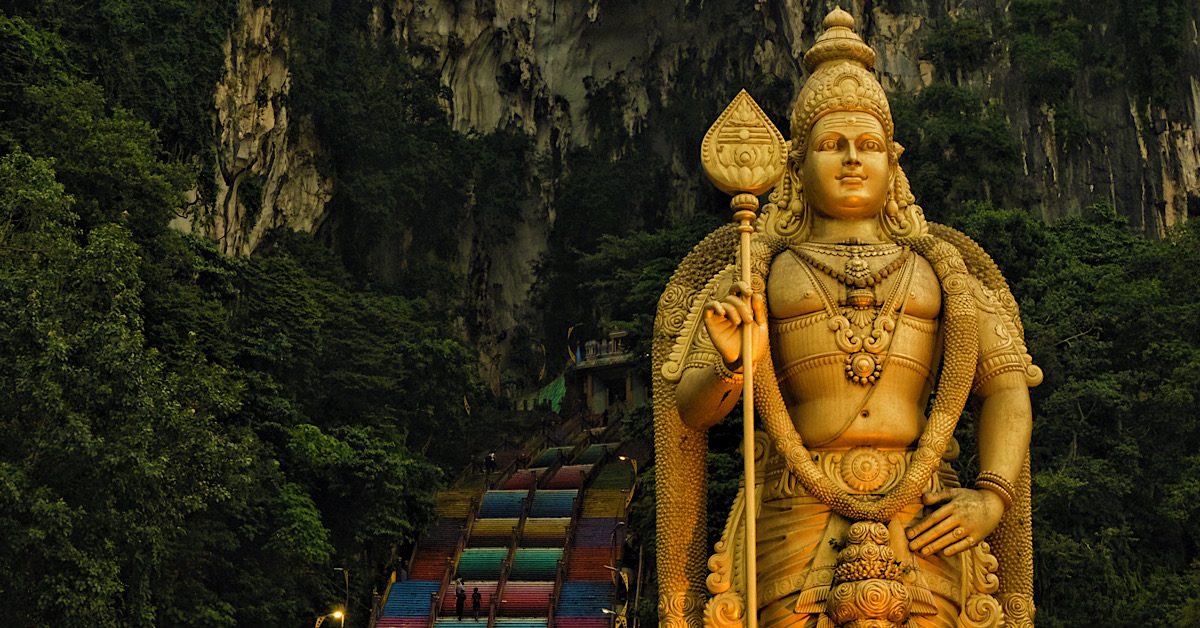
column 706, row 394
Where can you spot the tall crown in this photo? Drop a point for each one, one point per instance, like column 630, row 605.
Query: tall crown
column 842, row 79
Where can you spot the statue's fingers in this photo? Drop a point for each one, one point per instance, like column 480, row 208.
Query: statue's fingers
column 932, row 497
column 960, row 546
column 733, row 313
column 759, row 303
column 941, row 536
column 741, row 306
column 741, row 289
column 935, row 518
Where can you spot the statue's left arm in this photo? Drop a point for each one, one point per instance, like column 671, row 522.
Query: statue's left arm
column 966, row 516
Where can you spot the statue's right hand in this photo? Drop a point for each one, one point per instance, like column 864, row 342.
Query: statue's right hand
column 725, row 318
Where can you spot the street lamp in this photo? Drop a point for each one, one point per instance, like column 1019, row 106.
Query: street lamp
column 630, row 461
column 346, row 599
column 339, row 615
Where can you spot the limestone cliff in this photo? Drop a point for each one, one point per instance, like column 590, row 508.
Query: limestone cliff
column 531, row 64
column 551, row 69
column 265, row 172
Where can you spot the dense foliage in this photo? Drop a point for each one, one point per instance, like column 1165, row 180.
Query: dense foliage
column 1111, row 317
column 189, row 439
column 1141, row 43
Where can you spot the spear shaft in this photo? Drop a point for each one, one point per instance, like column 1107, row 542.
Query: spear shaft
column 745, row 204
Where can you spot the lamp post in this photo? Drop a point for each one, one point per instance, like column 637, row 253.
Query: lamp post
column 634, row 463
column 335, row 614
column 346, row 599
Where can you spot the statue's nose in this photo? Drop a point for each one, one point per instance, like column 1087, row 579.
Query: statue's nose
column 851, row 156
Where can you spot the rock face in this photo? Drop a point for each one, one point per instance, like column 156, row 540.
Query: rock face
column 542, row 66
column 265, row 174
column 531, row 64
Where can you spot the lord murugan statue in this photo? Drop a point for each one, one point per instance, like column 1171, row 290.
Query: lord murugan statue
column 866, row 329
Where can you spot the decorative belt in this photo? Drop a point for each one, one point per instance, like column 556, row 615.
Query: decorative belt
column 858, row 470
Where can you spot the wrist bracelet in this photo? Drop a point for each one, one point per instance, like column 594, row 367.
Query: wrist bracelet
column 726, row 375
column 994, row 482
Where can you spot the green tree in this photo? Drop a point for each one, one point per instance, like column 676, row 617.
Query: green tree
column 102, row 462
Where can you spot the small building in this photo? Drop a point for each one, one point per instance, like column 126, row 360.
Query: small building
column 609, row 373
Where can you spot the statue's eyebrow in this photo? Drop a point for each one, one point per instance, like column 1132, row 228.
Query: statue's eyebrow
column 816, row 139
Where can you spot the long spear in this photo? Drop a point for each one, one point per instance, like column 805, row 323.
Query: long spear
column 745, row 155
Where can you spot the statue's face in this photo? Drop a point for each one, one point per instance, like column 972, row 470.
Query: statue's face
column 846, row 171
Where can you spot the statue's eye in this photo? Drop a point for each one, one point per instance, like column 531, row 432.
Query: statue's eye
column 872, row 145
column 829, row 144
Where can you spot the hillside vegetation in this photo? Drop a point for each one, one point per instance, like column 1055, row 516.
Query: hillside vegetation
column 191, row 439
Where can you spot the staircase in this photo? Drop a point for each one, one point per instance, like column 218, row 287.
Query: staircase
column 539, row 546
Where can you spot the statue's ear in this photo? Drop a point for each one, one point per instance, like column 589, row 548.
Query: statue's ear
column 795, row 166
column 894, row 166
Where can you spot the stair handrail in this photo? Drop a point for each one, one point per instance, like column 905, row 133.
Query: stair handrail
column 502, row 475
column 572, row 526
column 551, row 469
column 464, row 533
column 506, row 566
column 534, row 443
column 379, row 604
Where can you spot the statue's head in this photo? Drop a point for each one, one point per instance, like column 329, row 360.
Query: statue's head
column 843, row 105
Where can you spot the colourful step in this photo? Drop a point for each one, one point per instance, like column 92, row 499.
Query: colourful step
column 526, row 599
column 593, row 453
column 492, row 532
column 550, row 456
column 410, row 599
column 615, row 475
column 442, row 534
column 429, row 565
column 535, row 563
column 501, row 504
column 523, row 479
column 584, row 599
column 553, row 503
column 595, row 532
column 582, row 622
column 402, row 622
column 604, row 503
column 453, row 503
column 588, row 564
column 522, row 622
column 547, row 532
column 570, row 476
column 481, row 563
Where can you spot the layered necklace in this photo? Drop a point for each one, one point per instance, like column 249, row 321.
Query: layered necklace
column 867, row 349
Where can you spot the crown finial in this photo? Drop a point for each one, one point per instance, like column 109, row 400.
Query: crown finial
column 838, row 17
column 839, row 43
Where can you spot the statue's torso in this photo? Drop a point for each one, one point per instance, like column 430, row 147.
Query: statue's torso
column 828, row 409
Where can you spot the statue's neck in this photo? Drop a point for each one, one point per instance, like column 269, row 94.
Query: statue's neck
column 837, row 230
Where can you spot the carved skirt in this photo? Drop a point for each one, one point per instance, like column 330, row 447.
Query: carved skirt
column 799, row 539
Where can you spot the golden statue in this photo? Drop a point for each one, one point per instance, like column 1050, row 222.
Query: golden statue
column 858, row 311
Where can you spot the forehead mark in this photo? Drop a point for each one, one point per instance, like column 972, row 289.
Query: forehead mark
column 839, row 121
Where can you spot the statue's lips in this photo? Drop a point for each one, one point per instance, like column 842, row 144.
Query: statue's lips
column 851, row 180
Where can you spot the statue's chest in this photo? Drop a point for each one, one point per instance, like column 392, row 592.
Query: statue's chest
column 794, row 290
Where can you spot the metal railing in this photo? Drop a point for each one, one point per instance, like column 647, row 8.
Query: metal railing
column 560, row 574
column 464, row 533
column 506, row 566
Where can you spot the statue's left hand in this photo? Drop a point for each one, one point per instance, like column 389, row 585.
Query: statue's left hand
column 964, row 518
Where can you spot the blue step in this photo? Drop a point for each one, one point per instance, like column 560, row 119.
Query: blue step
column 501, row 504
column 410, row 598
column 584, row 599
column 553, row 503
